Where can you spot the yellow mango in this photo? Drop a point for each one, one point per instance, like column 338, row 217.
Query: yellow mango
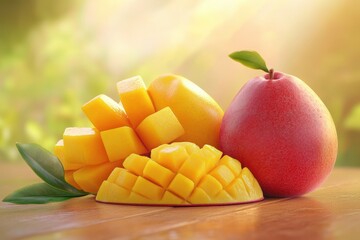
column 121, row 142
column 210, row 185
column 202, row 176
column 135, row 99
column 111, row 192
column 223, row 174
column 199, row 196
column 158, row 174
column 233, row 164
column 148, row 189
column 198, row 113
column 181, row 186
column 171, row 157
column 159, row 128
column 105, row 113
column 137, row 198
column 238, row 190
column 223, row 197
column 125, row 179
column 60, row 153
column 83, row 146
column 89, row 178
column 170, row 198
column 194, row 167
column 136, row 163
column 69, row 178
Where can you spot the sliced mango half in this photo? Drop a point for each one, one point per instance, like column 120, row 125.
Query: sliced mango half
column 180, row 174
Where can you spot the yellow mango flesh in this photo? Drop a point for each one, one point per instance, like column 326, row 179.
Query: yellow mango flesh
column 194, row 180
column 159, row 128
column 59, row 151
column 89, row 178
column 83, row 146
column 69, row 178
column 137, row 126
column 121, row 142
column 198, row 113
column 105, row 113
column 135, row 99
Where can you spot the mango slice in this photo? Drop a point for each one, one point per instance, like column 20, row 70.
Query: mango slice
column 121, row 142
column 69, row 178
column 59, row 151
column 105, row 113
column 83, row 146
column 135, row 99
column 89, row 178
column 191, row 176
column 159, row 128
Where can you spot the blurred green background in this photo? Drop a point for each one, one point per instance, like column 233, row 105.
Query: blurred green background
column 56, row 55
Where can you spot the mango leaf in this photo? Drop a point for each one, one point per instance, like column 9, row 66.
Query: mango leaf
column 250, row 59
column 39, row 193
column 47, row 166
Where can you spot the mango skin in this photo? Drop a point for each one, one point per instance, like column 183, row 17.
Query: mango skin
column 199, row 114
column 281, row 131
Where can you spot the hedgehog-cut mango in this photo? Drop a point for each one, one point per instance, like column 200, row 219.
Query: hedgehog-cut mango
column 182, row 174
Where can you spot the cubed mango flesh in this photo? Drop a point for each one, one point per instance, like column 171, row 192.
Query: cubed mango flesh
column 59, row 151
column 69, row 178
column 89, row 178
column 105, row 113
column 83, row 146
column 121, row 142
column 135, row 99
column 195, row 180
column 159, row 128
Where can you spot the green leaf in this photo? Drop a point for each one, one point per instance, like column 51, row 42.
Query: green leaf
column 250, row 59
column 47, row 166
column 39, row 193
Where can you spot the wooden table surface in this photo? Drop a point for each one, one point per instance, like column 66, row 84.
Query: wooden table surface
column 330, row 212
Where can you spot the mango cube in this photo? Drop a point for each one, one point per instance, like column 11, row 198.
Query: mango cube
column 135, row 99
column 105, row 113
column 194, row 167
column 138, row 198
column 136, row 163
column 89, row 178
column 210, row 185
column 110, row 192
column 223, row 174
column 199, row 196
column 114, row 174
column 59, row 151
column 83, row 146
column 69, row 178
column 159, row 128
column 233, row 164
column 121, row 142
column 223, row 196
column 170, row 198
column 211, row 156
column 181, row 186
column 148, row 189
column 171, row 157
column 252, row 186
column 158, row 174
column 125, row 179
column 237, row 190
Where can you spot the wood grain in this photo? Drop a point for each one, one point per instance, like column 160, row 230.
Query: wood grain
column 330, row 212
